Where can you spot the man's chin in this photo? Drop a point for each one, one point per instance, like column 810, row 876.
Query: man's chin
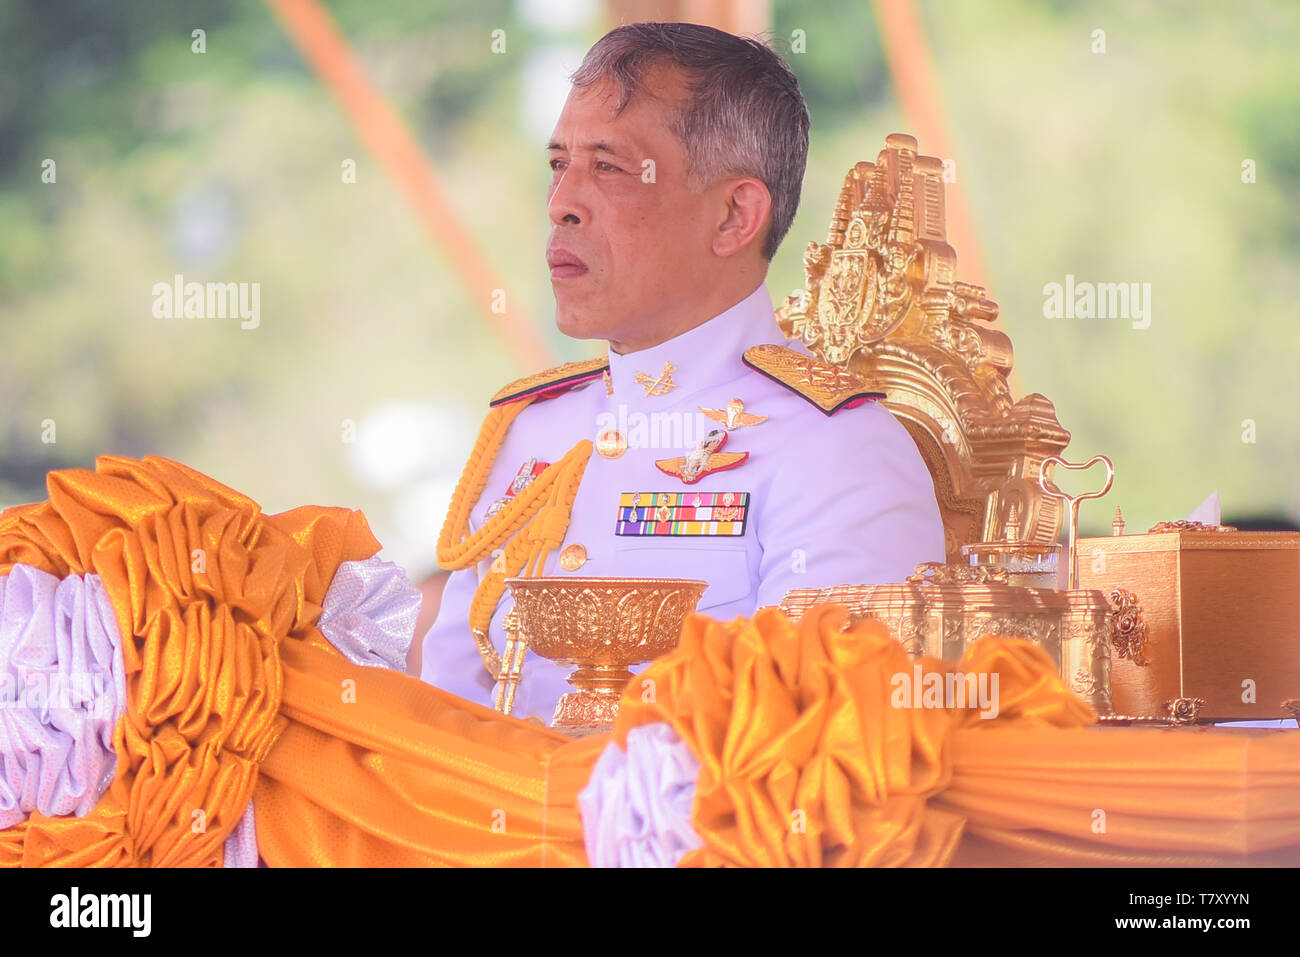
column 580, row 324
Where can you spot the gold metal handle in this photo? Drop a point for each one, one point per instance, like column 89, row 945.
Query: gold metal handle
column 1052, row 491
column 512, row 663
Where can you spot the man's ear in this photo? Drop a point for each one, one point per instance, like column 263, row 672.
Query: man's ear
column 747, row 214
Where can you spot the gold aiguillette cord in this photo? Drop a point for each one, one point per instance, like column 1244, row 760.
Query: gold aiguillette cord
column 544, row 507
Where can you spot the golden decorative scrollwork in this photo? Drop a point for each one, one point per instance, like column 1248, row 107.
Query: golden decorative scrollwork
column 939, row 573
column 883, row 303
column 585, row 712
column 1184, row 710
column 942, row 609
column 1128, row 629
column 601, row 625
column 1184, row 525
column 864, row 292
column 1083, row 682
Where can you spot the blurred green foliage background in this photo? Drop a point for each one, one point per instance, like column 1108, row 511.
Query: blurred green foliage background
column 1115, row 167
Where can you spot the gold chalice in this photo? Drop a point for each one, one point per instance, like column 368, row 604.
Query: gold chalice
column 601, row 626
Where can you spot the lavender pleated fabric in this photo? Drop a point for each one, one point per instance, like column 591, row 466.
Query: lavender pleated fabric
column 62, row 691
column 241, row 846
column 636, row 807
column 369, row 613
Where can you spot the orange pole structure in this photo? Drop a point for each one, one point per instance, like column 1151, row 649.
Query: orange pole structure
column 911, row 67
column 326, row 51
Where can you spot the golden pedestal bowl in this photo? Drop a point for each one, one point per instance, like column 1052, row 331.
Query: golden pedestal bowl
column 601, row 626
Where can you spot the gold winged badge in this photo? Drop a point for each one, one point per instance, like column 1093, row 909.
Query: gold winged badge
column 704, row 460
column 734, row 415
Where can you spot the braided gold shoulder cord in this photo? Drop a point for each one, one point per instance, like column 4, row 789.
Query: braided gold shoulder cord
column 544, row 506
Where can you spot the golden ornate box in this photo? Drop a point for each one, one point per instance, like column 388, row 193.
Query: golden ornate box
column 943, row 608
column 1211, row 613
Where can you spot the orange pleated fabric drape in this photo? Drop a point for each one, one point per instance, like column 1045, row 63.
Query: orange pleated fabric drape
column 810, row 753
column 793, row 724
column 806, row 758
column 205, row 589
column 217, row 604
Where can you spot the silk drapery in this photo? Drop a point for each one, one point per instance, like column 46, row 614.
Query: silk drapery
column 233, row 693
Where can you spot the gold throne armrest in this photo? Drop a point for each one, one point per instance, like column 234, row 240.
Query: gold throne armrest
column 883, row 302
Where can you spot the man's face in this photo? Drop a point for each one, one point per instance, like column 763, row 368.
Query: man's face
column 630, row 239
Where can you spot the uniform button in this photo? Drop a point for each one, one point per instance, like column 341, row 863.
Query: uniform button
column 573, row 557
column 611, row 443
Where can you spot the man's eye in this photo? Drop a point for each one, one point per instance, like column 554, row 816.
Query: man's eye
column 607, row 166
column 557, row 164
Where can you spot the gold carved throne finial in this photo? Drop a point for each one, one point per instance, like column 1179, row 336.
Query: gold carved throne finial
column 883, row 302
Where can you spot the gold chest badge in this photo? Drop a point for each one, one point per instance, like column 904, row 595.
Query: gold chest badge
column 704, row 460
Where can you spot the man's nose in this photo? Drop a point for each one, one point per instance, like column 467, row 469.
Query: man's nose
column 567, row 205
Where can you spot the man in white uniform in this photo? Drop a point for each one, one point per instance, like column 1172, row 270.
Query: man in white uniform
column 716, row 451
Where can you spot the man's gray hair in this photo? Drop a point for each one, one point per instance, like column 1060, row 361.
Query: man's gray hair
column 745, row 115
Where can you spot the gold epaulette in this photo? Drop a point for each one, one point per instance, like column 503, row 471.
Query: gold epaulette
column 828, row 387
column 551, row 382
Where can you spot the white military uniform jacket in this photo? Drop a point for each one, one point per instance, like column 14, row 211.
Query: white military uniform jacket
column 821, row 499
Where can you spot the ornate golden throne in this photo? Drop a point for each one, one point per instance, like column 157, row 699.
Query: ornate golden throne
column 883, row 302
